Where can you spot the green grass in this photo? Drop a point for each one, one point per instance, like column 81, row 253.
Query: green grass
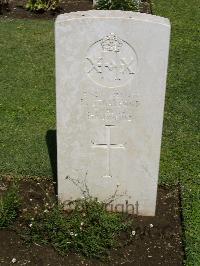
column 27, row 94
column 28, row 106
column 9, row 206
column 180, row 148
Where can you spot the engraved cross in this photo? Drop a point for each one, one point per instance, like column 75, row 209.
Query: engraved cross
column 108, row 146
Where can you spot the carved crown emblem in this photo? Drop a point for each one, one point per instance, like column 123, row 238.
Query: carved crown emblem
column 111, row 43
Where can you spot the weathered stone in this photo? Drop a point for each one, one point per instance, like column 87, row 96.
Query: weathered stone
column 111, row 69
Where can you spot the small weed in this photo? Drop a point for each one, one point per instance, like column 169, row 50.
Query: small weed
column 131, row 5
column 42, row 5
column 9, row 206
column 88, row 229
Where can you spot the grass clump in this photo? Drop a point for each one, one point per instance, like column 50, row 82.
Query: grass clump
column 126, row 5
column 42, row 5
column 88, row 229
column 9, row 206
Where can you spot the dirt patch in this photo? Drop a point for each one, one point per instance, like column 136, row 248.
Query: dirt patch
column 157, row 240
column 16, row 9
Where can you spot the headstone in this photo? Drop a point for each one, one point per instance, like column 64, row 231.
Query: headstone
column 111, row 69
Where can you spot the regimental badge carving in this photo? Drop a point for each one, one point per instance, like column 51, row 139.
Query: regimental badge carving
column 111, row 43
column 111, row 62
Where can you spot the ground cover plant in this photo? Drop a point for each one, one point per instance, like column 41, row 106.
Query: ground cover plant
column 42, row 5
column 131, row 5
column 88, row 229
column 28, row 106
column 9, row 206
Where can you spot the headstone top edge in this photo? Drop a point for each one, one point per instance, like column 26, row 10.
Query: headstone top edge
column 112, row 14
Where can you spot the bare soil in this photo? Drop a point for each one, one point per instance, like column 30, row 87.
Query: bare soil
column 158, row 240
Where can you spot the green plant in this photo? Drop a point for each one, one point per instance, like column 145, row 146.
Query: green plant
column 88, row 229
column 42, row 5
column 131, row 5
column 9, row 206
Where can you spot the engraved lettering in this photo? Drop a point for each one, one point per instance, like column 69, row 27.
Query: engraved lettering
column 127, row 66
column 97, row 66
column 110, row 106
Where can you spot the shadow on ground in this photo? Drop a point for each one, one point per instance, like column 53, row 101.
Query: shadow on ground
column 52, row 150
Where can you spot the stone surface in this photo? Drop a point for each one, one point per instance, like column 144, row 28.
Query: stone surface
column 111, row 69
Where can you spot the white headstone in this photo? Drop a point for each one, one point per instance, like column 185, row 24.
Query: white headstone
column 111, row 69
